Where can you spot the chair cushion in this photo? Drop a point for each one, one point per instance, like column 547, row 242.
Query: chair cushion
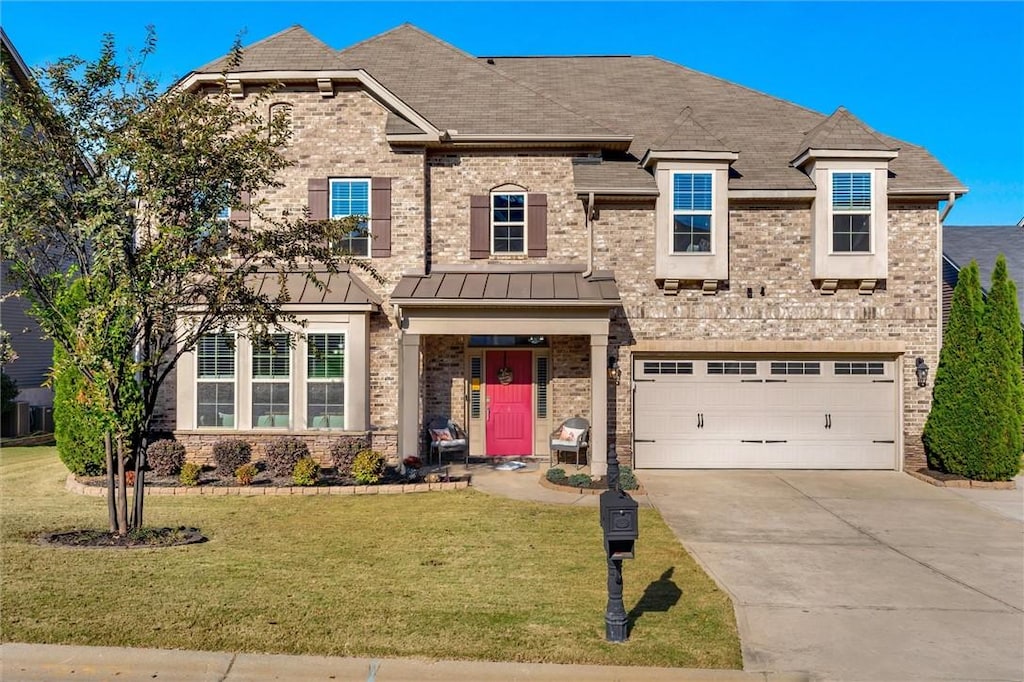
column 440, row 434
column 570, row 434
column 563, row 443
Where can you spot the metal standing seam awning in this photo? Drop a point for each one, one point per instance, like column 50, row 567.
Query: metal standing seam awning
column 545, row 300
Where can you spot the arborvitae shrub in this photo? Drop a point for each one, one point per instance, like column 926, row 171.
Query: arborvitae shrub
column 952, row 430
column 190, row 472
column 229, row 454
column 165, row 457
column 283, row 454
column 1001, row 388
column 246, row 473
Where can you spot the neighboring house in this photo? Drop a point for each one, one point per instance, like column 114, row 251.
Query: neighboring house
column 962, row 244
column 35, row 352
column 711, row 276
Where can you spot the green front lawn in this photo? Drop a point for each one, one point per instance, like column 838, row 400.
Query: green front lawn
column 454, row 575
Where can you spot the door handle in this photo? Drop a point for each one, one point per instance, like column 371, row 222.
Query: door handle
column 488, row 414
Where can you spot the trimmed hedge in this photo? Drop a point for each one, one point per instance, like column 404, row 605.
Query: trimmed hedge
column 344, row 451
column 165, row 457
column 229, row 454
column 282, row 454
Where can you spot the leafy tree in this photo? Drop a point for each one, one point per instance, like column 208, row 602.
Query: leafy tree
column 1002, row 388
column 953, row 426
column 109, row 182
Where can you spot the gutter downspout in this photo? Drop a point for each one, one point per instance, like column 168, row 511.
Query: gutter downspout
column 590, row 236
column 949, row 207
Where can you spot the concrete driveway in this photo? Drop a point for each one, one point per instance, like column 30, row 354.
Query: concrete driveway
column 856, row 575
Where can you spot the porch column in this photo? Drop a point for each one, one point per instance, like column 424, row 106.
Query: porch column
column 408, row 395
column 598, row 404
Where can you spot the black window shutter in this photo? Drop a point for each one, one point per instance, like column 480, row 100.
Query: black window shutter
column 537, row 225
column 318, row 198
column 380, row 217
column 479, row 226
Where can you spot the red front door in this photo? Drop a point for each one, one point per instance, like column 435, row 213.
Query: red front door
column 509, row 402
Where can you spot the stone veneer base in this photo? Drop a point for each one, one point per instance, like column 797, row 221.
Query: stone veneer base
column 79, row 488
column 942, row 480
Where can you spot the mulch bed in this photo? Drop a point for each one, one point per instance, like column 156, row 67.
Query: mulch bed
column 944, row 480
column 142, row 538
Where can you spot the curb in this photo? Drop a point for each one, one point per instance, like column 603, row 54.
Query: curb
column 75, row 486
column 933, row 478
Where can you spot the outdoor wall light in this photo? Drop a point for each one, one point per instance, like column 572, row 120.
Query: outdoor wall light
column 922, row 373
column 614, row 372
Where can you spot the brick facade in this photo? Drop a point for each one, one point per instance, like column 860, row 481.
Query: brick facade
column 769, row 247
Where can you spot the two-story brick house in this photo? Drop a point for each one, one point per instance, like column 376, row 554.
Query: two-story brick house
column 713, row 277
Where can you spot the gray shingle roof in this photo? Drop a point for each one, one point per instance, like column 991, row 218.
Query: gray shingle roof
column 690, row 136
column 983, row 244
column 624, row 176
column 637, row 97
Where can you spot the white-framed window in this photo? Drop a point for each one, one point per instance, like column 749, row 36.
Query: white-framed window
column 351, row 197
column 215, row 381
column 508, row 222
column 692, row 202
column 325, row 380
column 271, row 382
column 851, row 211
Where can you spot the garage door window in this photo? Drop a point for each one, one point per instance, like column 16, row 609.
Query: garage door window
column 852, row 368
column 732, row 368
column 668, row 367
column 798, row 368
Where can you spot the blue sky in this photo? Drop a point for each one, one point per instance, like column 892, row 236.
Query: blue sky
column 945, row 75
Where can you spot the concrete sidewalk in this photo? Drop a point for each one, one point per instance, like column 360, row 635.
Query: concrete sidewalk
column 51, row 663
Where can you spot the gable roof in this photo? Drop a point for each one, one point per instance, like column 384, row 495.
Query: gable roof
column 843, row 130
column 642, row 102
column 961, row 244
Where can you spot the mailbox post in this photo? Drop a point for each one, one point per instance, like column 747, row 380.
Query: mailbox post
column 620, row 529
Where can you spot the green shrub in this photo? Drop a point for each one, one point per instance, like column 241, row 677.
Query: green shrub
column 306, row 471
column 165, row 457
column 627, row 479
column 282, row 454
column 229, row 454
column 77, row 425
column 951, row 431
column 190, row 472
column 1001, row 385
column 246, row 473
column 368, row 467
column 556, row 475
column 8, row 392
column 580, row 480
column 343, row 453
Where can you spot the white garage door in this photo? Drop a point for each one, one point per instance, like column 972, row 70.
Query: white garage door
column 759, row 413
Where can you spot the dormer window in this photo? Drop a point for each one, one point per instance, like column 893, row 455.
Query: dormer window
column 508, row 223
column 851, row 212
column 691, row 212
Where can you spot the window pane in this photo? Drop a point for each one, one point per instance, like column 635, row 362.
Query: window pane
column 691, row 233
column 271, row 359
column 851, row 191
column 350, row 197
column 851, row 233
column 270, row 404
column 325, row 405
column 325, row 356
column 215, row 356
column 215, row 404
column 691, row 192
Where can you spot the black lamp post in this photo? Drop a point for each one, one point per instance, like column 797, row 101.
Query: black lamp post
column 619, row 523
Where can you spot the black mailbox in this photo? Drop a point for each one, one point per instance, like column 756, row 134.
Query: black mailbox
column 619, row 522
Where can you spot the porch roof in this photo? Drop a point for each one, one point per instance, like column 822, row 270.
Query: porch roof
column 508, row 287
column 339, row 288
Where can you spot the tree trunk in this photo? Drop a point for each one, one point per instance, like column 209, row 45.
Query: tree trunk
column 111, row 482
column 138, row 491
column 122, row 492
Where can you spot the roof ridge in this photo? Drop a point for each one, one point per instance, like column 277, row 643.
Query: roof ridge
column 275, row 36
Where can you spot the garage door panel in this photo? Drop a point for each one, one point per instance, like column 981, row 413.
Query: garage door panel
column 828, row 418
